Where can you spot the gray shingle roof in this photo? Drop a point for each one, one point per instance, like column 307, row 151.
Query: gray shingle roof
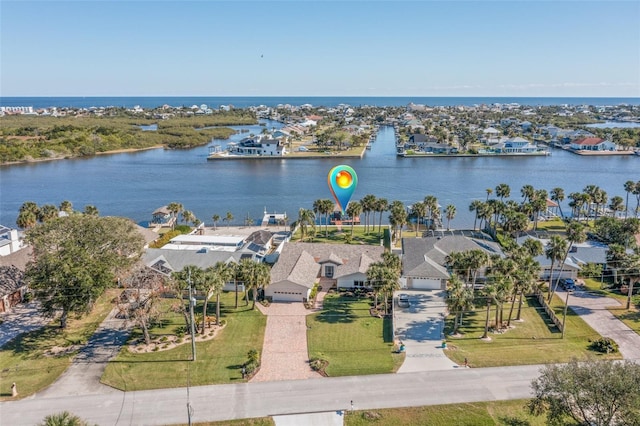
column 178, row 259
column 11, row 279
column 425, row 257
column 301, row 270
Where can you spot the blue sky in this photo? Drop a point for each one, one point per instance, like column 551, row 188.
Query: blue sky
column 320, row 48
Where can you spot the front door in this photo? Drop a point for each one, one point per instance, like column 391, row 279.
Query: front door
column 328, row 271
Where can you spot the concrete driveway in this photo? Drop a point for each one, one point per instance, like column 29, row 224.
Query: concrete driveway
column 22, row 318
column 421, row 328
column 592, row 308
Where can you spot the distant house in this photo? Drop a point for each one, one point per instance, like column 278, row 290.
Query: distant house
column 301, row 265
column 12, row 287
column 424, row 259
column 10, row 241
column 593, row 144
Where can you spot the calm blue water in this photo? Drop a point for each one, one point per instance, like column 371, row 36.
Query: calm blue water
column 135, row 184
column 243, row 102
column 613, row 125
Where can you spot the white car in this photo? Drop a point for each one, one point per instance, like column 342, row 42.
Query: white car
column 403, row 301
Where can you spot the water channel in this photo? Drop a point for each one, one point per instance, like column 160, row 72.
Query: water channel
column 135, row 184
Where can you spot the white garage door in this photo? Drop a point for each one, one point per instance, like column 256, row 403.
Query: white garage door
column 287, row 296
column 425, row 284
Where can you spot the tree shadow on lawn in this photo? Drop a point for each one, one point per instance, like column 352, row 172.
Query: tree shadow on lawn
column 337, row 310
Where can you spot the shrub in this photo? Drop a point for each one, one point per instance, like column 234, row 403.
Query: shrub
column 604, row 345
column 181, row 331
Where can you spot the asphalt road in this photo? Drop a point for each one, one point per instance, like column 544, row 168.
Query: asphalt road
column 224, row 402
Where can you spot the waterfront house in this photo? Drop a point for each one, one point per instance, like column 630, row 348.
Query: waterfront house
column 301, row 265
column 516, row 145
column 10, row 241
column 424, row 265
column 163, row 217
column 257, row 146
column 593, row 144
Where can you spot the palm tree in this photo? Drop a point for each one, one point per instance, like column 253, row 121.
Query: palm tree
column 91, row 210
column 66, row 207
column 175, row 209
column 215, row 277
column 47, row 213
column 368, row 205
column 459, row 300
column 29, row 206
column 555, row 251
column 216, row 219
column 420, row 210
column 489, row 192
column 64, row 418
column 636, row 192
column 629, row 186
column 617, row 205
column 431, row 204
column 575, row 234
column 382, row 205
column 26, row 219
column 326, row 208
column 255, row 276
column 398, row 217
column 451, row 213
column 190, row 275
column 475, row 207
column 527, row 192
column 317, row 207
column 306, row 219
column 490, row 292
column 228, row 218
column 188, row 216
column 503, row 191
column 354, row 209
column 557, row 195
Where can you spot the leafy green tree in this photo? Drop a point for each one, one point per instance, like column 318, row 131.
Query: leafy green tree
column 76, row 258
column 598, row 393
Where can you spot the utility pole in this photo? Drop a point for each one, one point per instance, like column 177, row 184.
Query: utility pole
column 564, row 317
column 192, row 301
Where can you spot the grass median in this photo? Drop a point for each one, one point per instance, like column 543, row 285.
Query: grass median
column 350, row 339
column 218, row 360
column 534, row 340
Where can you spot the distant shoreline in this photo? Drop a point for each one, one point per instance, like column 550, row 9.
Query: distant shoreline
column 68, row 157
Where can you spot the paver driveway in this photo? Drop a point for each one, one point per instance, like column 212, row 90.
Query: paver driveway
column 284, row 352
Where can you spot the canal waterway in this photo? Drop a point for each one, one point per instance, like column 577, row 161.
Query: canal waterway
column 135, row 184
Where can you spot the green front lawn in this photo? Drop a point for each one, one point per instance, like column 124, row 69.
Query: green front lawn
column 354, row 342
column 533, row 341
column 218, row 360
column 473, row 414
column 343, row 235
column 27, row 359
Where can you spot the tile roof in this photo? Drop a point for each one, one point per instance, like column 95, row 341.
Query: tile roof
column 589, row 141
column 11, row 279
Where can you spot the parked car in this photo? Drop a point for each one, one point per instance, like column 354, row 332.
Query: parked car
column 403, row 301
column 568, row 284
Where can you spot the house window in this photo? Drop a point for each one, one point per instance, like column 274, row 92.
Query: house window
column 358, row 283
column 328, row 271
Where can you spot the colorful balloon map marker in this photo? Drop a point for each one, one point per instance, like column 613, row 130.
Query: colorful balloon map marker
column 342, row 183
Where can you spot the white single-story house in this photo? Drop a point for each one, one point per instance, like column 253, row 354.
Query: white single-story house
column 301, row 265
column 424, row 259
column 593, row 144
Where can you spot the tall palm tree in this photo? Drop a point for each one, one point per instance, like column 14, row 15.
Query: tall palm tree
column 175, row 209
column 503, row 191
column 419, row 209
column 555, row 251
column 489, row 192
column 575, row 234
column 188, row 216
column 317, row 207
column 326, row 208
column 398, row 217
column 475, row 207
column 306, row 220
column 629, row 186
column 557, row 195
column 451, row 213
column 382, row 205
column 354, row 210
column 255, row 276
column 26, row 219
column 189, row 275
column 527, row 192
column 431, row 204
column 459, row 300
column 636, row 192
column 216, row 219
column 490, row 292
column 368, row 205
